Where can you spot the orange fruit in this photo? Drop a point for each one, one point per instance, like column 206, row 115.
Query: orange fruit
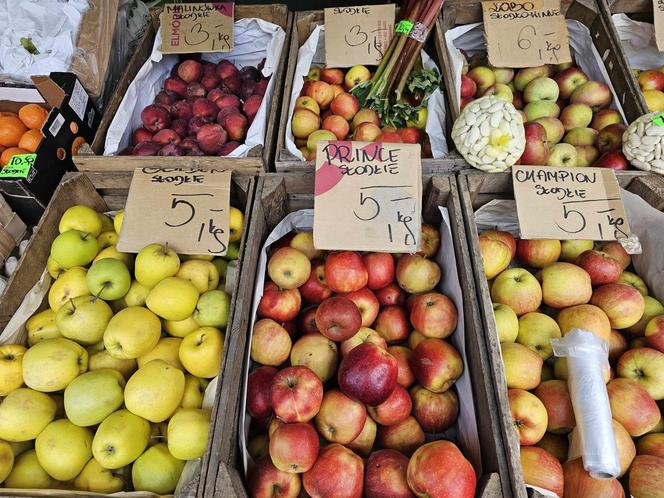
column 32, row 115
column 6, row 113
column 11, row 130
column 9, row 153
column 30, row 140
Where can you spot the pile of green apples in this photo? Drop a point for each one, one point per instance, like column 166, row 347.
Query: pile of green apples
column 108, row 394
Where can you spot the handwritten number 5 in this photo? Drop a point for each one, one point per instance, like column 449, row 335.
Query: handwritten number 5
column 363, row 200
column 174, row 204
column 566, row 215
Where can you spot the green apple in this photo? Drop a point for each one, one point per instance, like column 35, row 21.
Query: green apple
column 81, row 218
column 203, row 274
column 117, row 221
column 11, row 367
column 63, row 449
column 132, row 332
column 194, row 391
column 536, row 331
column 54, row 268
column 120, row 439
column 97, row 479
column 24, row 413
column 28, row 474
column 51, row 365
column 167, row 349
column 111, row 252
column 6, row 460
column 180, row 328
column 156, row 470
column 41, row 326
column 222, row 266
column 108, row 279
column 99, row 358
column 173, row 298
column 106, row 223
column 233, row 251
column 188, row 433
column 212, row 309
column 107, row 239
column 84, row 319
column 93, row 396
column 507, row 323
column 154, row 263
column 201, row 352
column 70, row 284
column 74, row 248
column 154, row 391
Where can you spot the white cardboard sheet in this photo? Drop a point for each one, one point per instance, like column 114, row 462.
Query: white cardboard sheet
column 638, row 42
column 255, row 40
column 312, row 53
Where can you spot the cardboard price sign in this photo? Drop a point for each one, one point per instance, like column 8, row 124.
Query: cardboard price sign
column 197, row 27
column 569, row 203
column 368, row 196
column 658, row 17
column 525, row 33
column 358, row 35
column 188, row 209
column 19, row 166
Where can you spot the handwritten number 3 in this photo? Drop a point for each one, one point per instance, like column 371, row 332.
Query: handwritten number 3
column 355, row 31
column 196, row 29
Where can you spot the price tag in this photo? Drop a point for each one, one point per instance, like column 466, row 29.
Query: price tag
column 368, row 196
column 569, row 203
column 358, row 35
column 187, row 209
column 19, row 166
column 197, row 27
column 525, row 33
column 658, row 17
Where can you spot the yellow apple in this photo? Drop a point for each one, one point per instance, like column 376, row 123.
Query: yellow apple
column 201, row 352
column 235, row 224
column 154, row 391
column 173, row 298
column 106, row 223
column 652, row 309
column 28, row 474
column 304, row 242
column 24, row 413
column 180, row 328
column 81, row 218
column 117, row 221
column 69, row 284
column 6, row 460
column 570, row 249
column 194, row 391
column 203, row 274
column 188, row 433
column 51, row 365
column 213, row 308
column 93, row 396
column 63, row 449
column 99, row 358
column 536, row 331
column 167, row 349
column 107, row 239
column 523, row 367
column 156, row 470
column 507, row 323
column 154, row 263
column 97, row 479
column 54, row 268
column 41, row 326
column 132, row 332
column 112, row 253
column 11, row 367
column 120, row 439
column 83, row 319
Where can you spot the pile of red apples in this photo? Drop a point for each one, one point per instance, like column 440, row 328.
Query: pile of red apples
column 352, row 373
column 327, row 110
column 204, row 109
column 551, row 288
column 566, row 115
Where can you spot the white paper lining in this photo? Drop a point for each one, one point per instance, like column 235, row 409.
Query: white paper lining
column 449, row 285
column 312, row 53
column 470, row 38
column 255, row 40
column 638, row 42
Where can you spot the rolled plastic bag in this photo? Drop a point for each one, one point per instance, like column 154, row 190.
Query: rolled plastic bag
column 587, row 360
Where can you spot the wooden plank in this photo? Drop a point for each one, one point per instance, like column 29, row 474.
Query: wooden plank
column 105, row 164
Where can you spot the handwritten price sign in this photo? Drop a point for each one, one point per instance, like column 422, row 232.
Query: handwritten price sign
column 368, row 196
column 358, row 35
column 185, row 208
column 658, row 17
column 569, row 203
column 197, row 27
column 525, row 33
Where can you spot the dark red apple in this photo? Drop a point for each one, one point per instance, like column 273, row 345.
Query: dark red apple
column 171, row 150
column 226, row 69
column 146, row 149
column 210, row 138
column 227, row 148
column 391, row 295
column 141, row 135
column 394, row 409
column 175, row 84
column 385, row 475
column 236, row 126
column 204, row 108
column 338, row 318
column 436, row 412
column 181, row 127
column 195, row 90
column 228, row 100
column 613, row 159
column 368, row 373
column 601, row 267
column 166, row 97
column 155, row 118
column 215, row 94
column 315, row 290
column 267, row 481
column 166, row 136
column 181, row 110
column 232, row 84
column 259, row 401
column 196, row 123
column 366, row 302
column 251, row 106
column 190, row 70
column 210, row 81
column 307, row 321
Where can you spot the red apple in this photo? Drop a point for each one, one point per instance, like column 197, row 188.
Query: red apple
column 613, row 159
column 367, row 303
column 345, row 105
column 385, row 475
column 368, row 373
column 226, row 69
column 540, row 468
column 646, row 476
column 267, row 481
column 190, row 70
column 402, row 354
column 504, row 237
column 602, row 268
column 281, row 305
column 307, row 321
column 338, row 318
column 333, row 76
column 615, row 250
column 392, row 294
column 579, row 483
column 538, row 253
column 622, row 303
column 340, row 419
column 380, row 268
column 345, row 271
column 632, row 406
column 394, row 409
column 259, row 401
column 294, row 447
column 405, row 436
column 141, row 135
column 436, row 365
column 468, row 86
column 155, row 118
column 210, row 138
column 337, row 472
column 654, row 333
column 433, row 315
column 296, row 394
column 337, row 125
column 435, row 412
column 555, row 397
column 439, row 469
column 392, row 324
column 315, row 290
column 536, row 151
column 610, row 137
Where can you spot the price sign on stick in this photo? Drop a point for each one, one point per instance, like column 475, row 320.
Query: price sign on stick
column 358, row 35
column 525, row 33
column 569, row 203
column 368, row 196
column 197, row 27
column 658, row 17
column 187, row 209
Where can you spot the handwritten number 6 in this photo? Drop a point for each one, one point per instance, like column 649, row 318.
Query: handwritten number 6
column 567, row 213
column 174, row 204
column 363, row 200
column 521, row 41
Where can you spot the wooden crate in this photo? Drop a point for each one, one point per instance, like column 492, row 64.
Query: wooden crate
column 104, row 192
column 588, row 12
column 476, row 189
column 276, row 196
column 259, row 158
column 303, row 24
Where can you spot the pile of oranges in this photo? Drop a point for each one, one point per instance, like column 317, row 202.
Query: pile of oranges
column 21, row 133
